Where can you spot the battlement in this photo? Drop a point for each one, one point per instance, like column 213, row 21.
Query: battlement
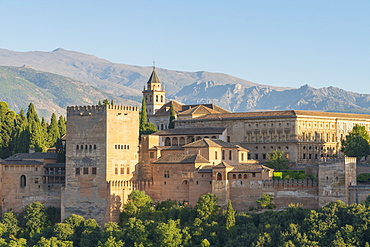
column 290, row 183
column 90, row 109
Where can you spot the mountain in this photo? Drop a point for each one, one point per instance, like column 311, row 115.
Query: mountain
column 49, row 92
column 127, row 81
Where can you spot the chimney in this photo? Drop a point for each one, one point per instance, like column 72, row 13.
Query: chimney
column 32, row 150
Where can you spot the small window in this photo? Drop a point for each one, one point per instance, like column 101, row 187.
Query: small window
column 239, row 176
column 151, row 155
column 122, row 170
column 245, row 176
column 116, row 170
column 82, row 146
column 128, row 170
column 94, row 146
column 90, row 146
column 223, row 154
column 77, row 147
column 215, row 155
column 230, row 155
column 36, row 180
column 85, row 146
column 86, row 170
column 242, row 156
column 23, row 181
column 128, row 146
column 253, row 174
column 219, row 176
column 234, row 176
column 78, row 171
column 36, row 168
column 93, row 171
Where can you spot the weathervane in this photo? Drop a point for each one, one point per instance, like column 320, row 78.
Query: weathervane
column 153, row 64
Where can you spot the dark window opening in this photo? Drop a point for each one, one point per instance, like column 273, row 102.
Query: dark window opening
column 77, row 171
column 86, row 170
column 23, row 181
column 93, row 171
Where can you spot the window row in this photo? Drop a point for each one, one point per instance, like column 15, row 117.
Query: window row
column 267, row 125
column 87, row 147
column 121, row 146
column 157, row 98
column 85, row 170
column 121, row 170
column 314, row 156
column 265, row 156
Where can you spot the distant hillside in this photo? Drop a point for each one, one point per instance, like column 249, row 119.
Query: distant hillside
column 49, row 92
column 102, row 79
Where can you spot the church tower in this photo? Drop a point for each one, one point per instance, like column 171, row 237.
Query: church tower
column 154, row 94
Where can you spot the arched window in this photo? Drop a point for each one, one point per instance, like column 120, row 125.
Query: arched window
column 182, row 141
column 156, row 98
column 161, row 98
column 151, row 98
column 167, row 141
column 245, row 176
column 219, row 176
column 234, row 176
column 175, row 141
column 239, row 176
column 23, row 181
column 215, row 155
column 77, row 147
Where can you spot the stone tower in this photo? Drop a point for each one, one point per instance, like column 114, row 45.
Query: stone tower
column 154, row 94
column 101, row 155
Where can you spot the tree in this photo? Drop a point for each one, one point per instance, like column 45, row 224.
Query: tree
column 168, row 234
column 35, row 217
column 207, row 207
column 356, row 143
column 230, row 218
column 277, row 160
column 62, row 126
column 266, row 201
column 7, row 129
column 111, row 242
column 53, row 242
column 99, row 103
column 11, row 223
column 112, row 102
column 36, row 139
column 145, row 127
column 171, row 124
column 22, row 134
column 106, row 102
column 138, row 204
column 63, row 231
column 53, row 131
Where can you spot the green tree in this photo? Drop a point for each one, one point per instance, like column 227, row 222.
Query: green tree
column 34, row 127
column 53, row 131
column 61, row 151
column 99, row 103
column 138, row 204
column 7, row 130
column 90, row 234
column 207, row 207
column 35, row 217
column 230, row 219
column 22, row 134
column 63, row 231
column 266, row 201
column 53, row 242
column 277, row 160
column 111, row 242
column 145, row 127
column 135, row 233
column 171, row 124
column 356, row 144
column 168, row 234
column 11, row 223
column 106, row 102
column 112, row 102
column 62, row 126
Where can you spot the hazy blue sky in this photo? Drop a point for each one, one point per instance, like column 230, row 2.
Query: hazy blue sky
column 284, row 43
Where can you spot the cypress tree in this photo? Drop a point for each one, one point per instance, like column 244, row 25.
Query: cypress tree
column 171, row 124
column 106, row 102
column 62, row 126
column 53, row 131
column 36, row 139
column 99, row 103
column 112, row 102
column 230, row 219
column 7, row 130
column 22, row 135
column 143, row 116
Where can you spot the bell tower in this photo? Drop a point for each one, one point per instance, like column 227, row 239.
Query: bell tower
column 154, row 94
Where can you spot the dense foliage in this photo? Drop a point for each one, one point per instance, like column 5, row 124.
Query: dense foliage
column 19, row 132
column 277, row 160
column 356, row 143
column 169, row 223
column 145, row 127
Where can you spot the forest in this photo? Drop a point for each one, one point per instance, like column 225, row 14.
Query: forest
column 21, row 131
column 170, row 223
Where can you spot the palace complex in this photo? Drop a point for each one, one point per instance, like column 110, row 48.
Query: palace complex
column 210, row 150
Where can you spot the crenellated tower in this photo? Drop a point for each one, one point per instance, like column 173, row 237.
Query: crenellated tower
column 154, row 94
column 101, row 155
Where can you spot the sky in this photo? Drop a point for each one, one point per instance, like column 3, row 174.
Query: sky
column 273, row 42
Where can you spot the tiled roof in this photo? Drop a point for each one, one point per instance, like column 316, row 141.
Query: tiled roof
column 222, row 165
column 277, row 114
column 249, row 168
column 30, row 156
column 165, row 109
column 199, row 109
column 181, row 158
column 167, row 148
column 190, row 131
column 210, row 143
column 210, row 106
column 55, row 165
column 21, row 162
column 153, row 78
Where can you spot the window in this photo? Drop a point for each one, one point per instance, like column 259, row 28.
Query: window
column 256, row 155
column 230, row 155
column 234, row 176
column 239, row 176
column 122, row 170
column 116, row 170
column 82, row 146
column 86, row 170
column 253, row 174
column 90, row 146
column 245, row 176
column 166, row 174
column 264, row 156
column 151, row 155
column 223, row 154
column 215, row 155
column 36, row 180
column 242, row 157
column 77, row 147
column 219, row 176
column 128, row 170
column 93, row 171
column 77, row 171
column 23, row 181
column 228, row 138
column 94, row 146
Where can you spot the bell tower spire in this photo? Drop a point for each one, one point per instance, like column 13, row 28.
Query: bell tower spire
column 154, row 94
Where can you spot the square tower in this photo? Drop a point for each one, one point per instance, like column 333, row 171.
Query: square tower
column 101, row 155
